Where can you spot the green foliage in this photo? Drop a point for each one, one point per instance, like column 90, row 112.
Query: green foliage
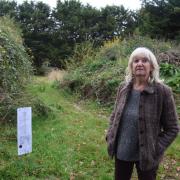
column 160, row 19
column 168, row 70
column 15, row 66
column 37, row 26
column 8, row 8
column 81, row 52
column 52, row 35
column 171, row 74
column 174, row 82
column 93, row 78
column 117, row 22
column 99, row 75
column 44, row 69
column 155, row 45
column 111, row 52
column 40, row 108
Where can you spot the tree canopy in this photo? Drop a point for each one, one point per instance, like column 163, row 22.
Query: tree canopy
column 52, row 34
column 160, row 18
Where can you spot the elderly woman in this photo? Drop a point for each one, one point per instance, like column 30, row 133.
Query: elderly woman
column 144, row 120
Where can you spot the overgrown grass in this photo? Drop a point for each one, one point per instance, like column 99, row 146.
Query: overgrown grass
column 69, row 143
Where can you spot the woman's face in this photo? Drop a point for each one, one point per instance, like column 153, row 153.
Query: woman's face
column 141, row 67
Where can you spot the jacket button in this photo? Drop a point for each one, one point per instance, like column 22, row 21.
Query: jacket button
column 141, row 132
column 141, row 145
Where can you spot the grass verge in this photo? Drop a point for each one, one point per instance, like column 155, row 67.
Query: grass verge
column 69, row 143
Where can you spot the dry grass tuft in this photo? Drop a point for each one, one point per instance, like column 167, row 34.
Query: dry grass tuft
column 56, row 75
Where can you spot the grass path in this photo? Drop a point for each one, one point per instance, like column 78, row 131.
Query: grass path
column 69, row 144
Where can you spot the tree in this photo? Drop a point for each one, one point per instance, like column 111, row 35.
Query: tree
column 8, row 8
column 75, row 23
column 52, row 35
column 160, row 18
column 118, row 21
column 37, row 25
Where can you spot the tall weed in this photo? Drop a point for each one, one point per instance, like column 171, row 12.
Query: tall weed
column 100, row 73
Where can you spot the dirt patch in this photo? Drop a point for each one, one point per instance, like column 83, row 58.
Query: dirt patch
column 56, row 75
column 78, row 107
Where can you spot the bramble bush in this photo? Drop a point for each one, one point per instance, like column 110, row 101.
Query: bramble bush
column 16, row 70
column 98, row 75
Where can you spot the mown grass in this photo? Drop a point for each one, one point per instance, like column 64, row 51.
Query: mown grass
column 69, row 143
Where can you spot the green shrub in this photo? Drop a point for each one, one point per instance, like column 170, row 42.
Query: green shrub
column 156, row 46
column 168, row 70
column 80, row 54
column 111, row 51
column 99, row 75
column 15, row 63
column 174, row 82
column 15, row 67
column 171, row 74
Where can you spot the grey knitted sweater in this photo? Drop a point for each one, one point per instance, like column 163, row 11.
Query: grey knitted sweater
column 127, row 148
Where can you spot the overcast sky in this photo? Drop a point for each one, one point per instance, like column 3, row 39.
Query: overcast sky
column 131, row 4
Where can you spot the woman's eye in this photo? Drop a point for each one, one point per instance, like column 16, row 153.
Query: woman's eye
column 136, row 60
column 144, row 60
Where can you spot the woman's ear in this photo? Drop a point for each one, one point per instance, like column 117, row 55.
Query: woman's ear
column 152, row 68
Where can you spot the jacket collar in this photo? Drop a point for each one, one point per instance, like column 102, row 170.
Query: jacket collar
column 150, row 88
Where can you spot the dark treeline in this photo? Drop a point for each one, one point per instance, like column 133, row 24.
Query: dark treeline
column 50, row 35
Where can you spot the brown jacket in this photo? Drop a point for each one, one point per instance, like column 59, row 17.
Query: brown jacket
column 158, row 124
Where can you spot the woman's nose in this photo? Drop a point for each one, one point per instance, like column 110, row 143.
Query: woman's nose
column 139, row 63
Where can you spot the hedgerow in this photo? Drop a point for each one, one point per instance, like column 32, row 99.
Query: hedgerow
column 15, row 68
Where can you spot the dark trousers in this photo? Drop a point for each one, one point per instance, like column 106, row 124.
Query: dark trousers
column 124, row 169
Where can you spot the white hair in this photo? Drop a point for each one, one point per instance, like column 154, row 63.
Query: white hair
column 154, row 77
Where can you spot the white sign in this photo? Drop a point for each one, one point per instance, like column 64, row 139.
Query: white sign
column 24, row 130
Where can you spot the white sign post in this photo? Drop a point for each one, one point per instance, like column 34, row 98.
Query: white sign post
column 24, row 130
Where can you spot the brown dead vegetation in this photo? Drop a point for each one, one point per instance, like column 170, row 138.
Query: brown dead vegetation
column 171, row 57
column 56, row 75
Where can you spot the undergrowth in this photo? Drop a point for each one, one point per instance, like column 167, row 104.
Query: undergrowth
column 15, row 67
column 97, row 76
